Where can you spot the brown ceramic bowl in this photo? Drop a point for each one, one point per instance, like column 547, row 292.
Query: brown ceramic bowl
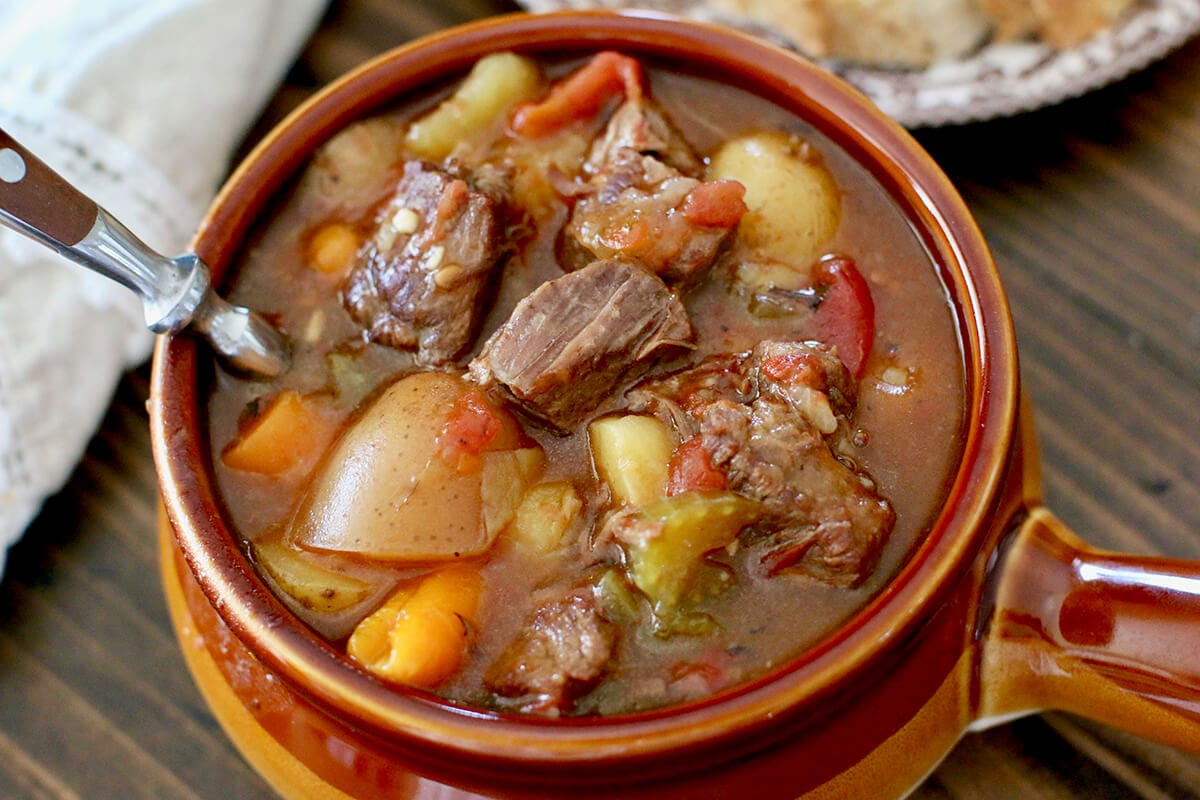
column 999, row 612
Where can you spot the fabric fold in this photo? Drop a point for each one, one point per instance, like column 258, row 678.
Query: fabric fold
column 140, row 105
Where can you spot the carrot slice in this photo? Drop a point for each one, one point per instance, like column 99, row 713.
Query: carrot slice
column 332, row 249
column 419, row 636
column 580, row 95
column 287, row 432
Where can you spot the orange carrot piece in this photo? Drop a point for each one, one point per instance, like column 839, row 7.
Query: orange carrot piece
column 580, row 95
column 332, row 249
column 287, row 432
column 418, row 638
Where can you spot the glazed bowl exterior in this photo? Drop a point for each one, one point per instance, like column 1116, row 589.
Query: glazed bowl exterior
column 970, row 630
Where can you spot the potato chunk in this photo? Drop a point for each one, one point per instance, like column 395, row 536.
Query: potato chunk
column 794, row 204
column 495, row 84
column 631, row 453
column 505, row 476
column 311, row 585
column 546, row 514
column 388, row 489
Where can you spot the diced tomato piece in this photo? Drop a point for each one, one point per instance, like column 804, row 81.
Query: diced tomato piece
column 715, row 204
column 471, row 426
column 580, row 95
column 795, row 368
column 846, row 313
column 690, row 470
column 711, row 672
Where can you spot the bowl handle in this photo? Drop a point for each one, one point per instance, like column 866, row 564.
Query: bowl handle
column 1112, row 637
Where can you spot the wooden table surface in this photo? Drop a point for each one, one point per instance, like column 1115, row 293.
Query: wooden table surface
column 1093, row 210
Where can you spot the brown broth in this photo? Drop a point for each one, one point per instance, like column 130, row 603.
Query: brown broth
column 915, row 432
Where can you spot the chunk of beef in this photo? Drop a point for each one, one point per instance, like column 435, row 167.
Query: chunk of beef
column 559, row 655
column 774, row 421
column 643, row 202
column 641, row 210
column 826, row 519
column 571, row 343
column 808, row 376
column 418, row 279
column 641, row 126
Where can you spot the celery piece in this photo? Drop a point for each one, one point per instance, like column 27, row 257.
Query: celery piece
column 666, row 543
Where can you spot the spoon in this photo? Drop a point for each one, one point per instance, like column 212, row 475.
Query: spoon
column 176, row 293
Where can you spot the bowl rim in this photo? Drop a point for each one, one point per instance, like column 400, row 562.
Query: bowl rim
column 319, row 672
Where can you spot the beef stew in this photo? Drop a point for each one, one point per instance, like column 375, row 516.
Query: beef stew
column 610, row 393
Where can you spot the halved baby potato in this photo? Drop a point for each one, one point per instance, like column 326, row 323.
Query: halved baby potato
column 794, row 205
column 388, row 490
column 314, row 587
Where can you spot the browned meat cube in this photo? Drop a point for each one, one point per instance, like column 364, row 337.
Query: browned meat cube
column 807, row 376
column 574, row 341
column 827, row 520
column 418, row 280
column 559, row 655
column 644, row 204
column 773, row 421
column 641, row 126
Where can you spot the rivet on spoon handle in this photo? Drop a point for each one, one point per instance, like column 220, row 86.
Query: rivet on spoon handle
column 175, row 292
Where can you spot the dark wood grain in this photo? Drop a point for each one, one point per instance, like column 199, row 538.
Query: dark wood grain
column 1093, row 210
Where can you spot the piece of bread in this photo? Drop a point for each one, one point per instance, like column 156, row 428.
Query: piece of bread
column 1011, row 19
column 1066, row 23
column 905, row 33
column 893, row 33
column 917, row 33
column 804, row 23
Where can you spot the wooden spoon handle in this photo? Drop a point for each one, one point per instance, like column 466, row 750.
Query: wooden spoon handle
column 38, row 197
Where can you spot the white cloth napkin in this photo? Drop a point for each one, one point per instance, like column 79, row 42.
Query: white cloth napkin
column 140, row 105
